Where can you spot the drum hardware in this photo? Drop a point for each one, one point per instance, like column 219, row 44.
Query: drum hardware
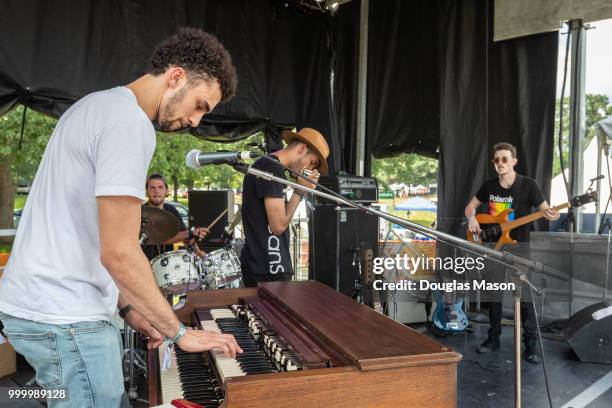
column 132, row 359
column 296, row 239
column 228, row 234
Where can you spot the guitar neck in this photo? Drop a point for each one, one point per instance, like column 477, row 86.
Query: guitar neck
column 529, row 218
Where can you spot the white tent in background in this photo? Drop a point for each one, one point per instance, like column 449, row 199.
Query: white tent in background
column 558, row 194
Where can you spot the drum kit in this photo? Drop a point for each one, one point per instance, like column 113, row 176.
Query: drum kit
column 178, row 272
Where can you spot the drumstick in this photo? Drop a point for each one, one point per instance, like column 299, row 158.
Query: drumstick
column 212, row 224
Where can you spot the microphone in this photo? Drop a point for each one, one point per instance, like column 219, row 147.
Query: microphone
column 601, row 176
column 196, row 159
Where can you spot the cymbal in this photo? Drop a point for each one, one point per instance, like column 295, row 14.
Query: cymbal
column 158, row 225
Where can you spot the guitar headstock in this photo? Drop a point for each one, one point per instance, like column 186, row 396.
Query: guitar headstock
column 586, row 198
column 367, row 264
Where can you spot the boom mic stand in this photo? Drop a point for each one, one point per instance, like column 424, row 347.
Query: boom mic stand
column 485, row 252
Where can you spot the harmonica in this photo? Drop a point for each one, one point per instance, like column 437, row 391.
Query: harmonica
column 307, row 173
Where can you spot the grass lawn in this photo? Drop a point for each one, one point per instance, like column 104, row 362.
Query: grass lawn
column 20, row 200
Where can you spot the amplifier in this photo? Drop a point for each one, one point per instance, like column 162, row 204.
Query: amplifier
column 204, row 208
column 355, row 188
column 336, row 235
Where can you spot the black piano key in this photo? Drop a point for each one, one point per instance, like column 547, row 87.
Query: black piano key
column 198, row 382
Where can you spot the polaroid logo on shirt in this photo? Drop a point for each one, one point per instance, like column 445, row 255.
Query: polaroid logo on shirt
column 274, row 254
column 497, row 199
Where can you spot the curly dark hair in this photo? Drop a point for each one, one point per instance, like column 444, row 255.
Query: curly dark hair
column 200, row 54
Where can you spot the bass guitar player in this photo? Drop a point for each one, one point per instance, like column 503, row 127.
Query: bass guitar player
column 509, row 190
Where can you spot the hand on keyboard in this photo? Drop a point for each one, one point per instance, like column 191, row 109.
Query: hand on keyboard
column 204, row 340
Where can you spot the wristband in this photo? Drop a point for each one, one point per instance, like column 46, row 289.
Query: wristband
column 181, row 332
column 125, row 310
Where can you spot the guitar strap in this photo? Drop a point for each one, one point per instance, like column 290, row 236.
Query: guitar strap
column 519, row 187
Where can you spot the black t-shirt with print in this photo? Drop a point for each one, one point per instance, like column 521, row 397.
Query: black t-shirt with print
column 264, row 252
column 498, row 199
column 151, row 251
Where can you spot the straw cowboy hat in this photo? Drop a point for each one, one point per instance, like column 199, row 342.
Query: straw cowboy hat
column 315, row 141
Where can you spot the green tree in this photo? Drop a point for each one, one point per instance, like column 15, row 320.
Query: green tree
column 405, row 168
column 169, row 160
column 169, row 157
column 597, row 108
column 20, row 163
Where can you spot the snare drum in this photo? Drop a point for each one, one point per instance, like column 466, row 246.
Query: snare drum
column 220, row 269
column 176, row 271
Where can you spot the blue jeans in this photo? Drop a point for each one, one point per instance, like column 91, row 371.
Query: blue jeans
column 84, row 357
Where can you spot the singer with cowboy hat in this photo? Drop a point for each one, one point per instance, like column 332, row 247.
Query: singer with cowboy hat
column 266, row 212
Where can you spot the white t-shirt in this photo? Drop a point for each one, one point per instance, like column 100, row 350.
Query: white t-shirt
column 101, row 146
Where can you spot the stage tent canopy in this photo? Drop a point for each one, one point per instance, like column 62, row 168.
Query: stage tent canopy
column 437, row 84
column 416, row 204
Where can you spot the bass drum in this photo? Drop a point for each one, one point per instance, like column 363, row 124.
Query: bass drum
column 221, row 269
column 176, row 272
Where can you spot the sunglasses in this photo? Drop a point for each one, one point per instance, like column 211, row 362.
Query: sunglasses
column 503, row 159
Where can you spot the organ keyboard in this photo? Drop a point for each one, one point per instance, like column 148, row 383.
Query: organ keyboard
column 304, row 345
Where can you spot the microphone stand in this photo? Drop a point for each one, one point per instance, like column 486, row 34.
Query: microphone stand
column 501, row 256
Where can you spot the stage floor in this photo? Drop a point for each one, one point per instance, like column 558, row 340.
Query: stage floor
column 488, row 380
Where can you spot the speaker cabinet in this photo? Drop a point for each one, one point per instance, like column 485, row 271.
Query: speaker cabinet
column 205, row 207
column 337, row 234
column 589, row 333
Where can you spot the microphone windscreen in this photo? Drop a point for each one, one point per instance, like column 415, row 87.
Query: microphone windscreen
column 191, row 159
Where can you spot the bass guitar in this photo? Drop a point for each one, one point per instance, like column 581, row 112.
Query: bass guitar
column 496, row 228
column 449, row 317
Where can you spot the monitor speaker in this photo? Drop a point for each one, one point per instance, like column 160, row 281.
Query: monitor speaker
column 589, row 333
column 205, row 207
column 336, row 236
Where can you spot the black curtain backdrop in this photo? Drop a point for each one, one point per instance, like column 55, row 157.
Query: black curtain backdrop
column 344, row 54
column 53, row 53
column 437, row 84
column 403, row 109
column 490, row 92
column 463, row 126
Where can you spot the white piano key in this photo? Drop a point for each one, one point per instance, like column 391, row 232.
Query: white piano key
column 169, row 379
column 226, row 366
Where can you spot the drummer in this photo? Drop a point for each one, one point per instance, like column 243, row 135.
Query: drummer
column 156, row 190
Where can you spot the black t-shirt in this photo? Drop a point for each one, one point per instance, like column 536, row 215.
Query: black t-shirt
column 498, row 199
column 264, row 252
column 151, row 251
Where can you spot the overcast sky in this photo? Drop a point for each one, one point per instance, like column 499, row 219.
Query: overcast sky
column 598, row 60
